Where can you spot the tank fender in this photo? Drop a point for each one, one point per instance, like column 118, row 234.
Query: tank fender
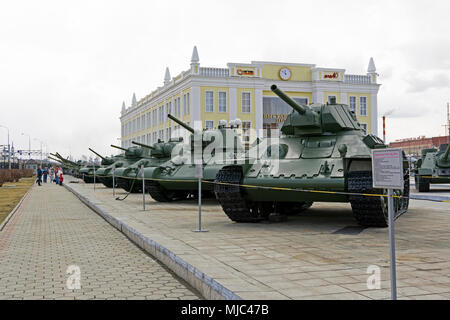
column 152, row 172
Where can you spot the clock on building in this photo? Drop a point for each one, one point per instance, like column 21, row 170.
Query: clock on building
column 285, row 73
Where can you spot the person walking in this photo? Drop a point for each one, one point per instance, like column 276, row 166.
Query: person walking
column 39, row 175
column 60, row 174
column 56, row 175
column 45, row 174
column 51, row 174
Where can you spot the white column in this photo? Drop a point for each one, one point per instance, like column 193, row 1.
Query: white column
column 258, row 111
column 195, row 106
column 317, row 95
column 233, row 103
column 374, row 113
column 343, row 98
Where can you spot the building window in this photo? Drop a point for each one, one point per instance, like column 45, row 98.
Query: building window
column 245, row 102
column 209, row 103
column 363, row 106
column 222, row 102
column 209, row 124
column 364, row 127
column 352, row 103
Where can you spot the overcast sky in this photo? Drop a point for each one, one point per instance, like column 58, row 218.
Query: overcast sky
column 66, row 67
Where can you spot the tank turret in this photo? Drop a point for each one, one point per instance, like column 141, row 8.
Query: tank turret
column 316, row 119
column 133, row 152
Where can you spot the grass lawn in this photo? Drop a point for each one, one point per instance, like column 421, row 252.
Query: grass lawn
column 9, row 197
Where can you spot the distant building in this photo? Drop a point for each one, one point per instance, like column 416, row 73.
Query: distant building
column 413, row 146
column 203, row 95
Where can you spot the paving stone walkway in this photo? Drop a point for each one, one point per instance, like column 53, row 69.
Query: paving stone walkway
column 53, row 230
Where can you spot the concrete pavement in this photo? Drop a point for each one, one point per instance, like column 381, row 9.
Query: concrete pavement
column 53, row 233
column 310, row 256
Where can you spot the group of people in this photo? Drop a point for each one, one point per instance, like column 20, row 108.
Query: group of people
column 54, row 174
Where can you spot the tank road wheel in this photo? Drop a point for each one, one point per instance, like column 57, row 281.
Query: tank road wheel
column 160, row 194
column 422, row 184
column 88, row 179
column 292, row 208
column 373, row 211
column 231, row 198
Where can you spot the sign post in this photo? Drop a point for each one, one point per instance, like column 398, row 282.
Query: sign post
column 387, row 171
column 143, row 187
column 199, row 175
column 114, row 181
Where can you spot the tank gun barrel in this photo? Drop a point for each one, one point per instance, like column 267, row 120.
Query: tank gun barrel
column 447, row 151
column 103, row 158
column 181, row 123
column 117, row 147
column 67, row 161
column 300, row 109
column 142, row 145
column 54, row 159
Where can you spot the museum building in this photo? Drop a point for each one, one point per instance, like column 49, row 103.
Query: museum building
column 205, row 95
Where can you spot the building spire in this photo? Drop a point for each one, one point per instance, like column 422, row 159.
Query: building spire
column 371, row 68
column 195, row 62
column 133, row 101
column 167, row 77
column 372, row 71
column 123, row 107
column 194, row 58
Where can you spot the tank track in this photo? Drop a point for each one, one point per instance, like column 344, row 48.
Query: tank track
column 230, row 197
column 371, row 211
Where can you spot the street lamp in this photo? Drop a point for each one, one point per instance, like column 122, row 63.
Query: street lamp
column 9, row 150
column 41, row 147
column 29, row 144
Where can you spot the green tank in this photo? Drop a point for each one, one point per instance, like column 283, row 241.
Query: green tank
column 68, row 166
column 159, row 153
column 432, row 167
column 176, row 179
column 323, row 149
column 105, row 162
column 130, row 156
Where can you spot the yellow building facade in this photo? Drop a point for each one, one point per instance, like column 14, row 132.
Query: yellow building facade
column 202, row 96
